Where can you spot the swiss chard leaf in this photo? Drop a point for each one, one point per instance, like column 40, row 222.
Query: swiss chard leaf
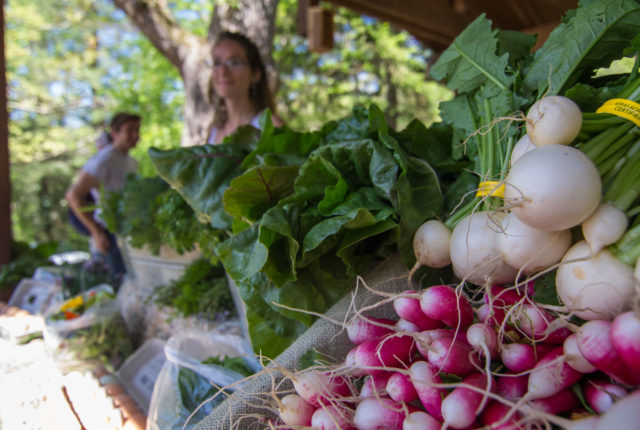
column 596, row 35
column 471, row 61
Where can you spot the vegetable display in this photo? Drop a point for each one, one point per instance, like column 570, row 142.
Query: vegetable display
column 541, row 328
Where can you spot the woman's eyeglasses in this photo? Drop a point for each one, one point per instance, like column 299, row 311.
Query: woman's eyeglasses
column 230, row 63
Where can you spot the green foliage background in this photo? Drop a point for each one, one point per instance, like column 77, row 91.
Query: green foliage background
column 72, row 63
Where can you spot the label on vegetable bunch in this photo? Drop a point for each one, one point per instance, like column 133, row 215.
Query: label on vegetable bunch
column 626, row 109
column 490, row 188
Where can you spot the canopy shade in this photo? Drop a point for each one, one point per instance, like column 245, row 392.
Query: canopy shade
column 437, row 22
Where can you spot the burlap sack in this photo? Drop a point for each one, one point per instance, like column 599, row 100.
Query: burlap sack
column 252, row 405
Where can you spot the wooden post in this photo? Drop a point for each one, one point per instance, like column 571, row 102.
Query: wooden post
column 320, row 29
column 5, row 184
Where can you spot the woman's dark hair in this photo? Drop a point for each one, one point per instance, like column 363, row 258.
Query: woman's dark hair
column 259, row 93
column 121, row 118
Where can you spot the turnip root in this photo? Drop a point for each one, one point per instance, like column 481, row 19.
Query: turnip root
column 521, row 147
column 598, row 286
column 431, row 244
column 553, row 120
column 604, row 227
column 529, row 249
column 475, row 255
column 552, row 188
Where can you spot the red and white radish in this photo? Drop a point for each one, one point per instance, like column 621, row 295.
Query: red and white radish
column 408, row 308
column 537, row 324
column 374, row 356
column 379, row 413
column 444, row 303
column 624, row 414
column 375, row 385
column 551, row 375
column 483, row 338
column 553, row 188
column 400, row 388
column 553, row 120
column 559, row 403
column 461, row 407
column 512, row 387
column 475, row 255
column 600, row 394
column 451, row 356
column 574, row 357
column 295, row 411
column 318, row 387
column 594, row 342
column 604, row 227
column 419, row 420
column 361, row 328
column 529, row 249
column 424, row 378
column 594, row 286
column 625, row 338
column 431, row 244
column 498, row 416
column 518, row 357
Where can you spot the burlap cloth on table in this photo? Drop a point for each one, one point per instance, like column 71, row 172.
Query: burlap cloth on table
column 251, row 406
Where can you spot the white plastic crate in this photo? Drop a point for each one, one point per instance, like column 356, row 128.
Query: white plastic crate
column 34, row 296
column 139, row 372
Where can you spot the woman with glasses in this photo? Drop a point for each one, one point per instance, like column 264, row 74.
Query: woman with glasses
column 240, row 85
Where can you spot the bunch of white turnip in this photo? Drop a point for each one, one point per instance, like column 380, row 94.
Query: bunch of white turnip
column 499, row 359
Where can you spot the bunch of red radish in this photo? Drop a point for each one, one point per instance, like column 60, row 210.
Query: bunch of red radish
column 443, row 363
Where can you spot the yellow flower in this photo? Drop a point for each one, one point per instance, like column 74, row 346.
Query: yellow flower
column 72, row 303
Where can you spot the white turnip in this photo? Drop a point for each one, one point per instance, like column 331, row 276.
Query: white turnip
column 604, row 227
column 475, row 255
column 530, row 249
column 521, row 147
column 431, row 244
column 553, row 188
column 553, row 120
column 594, row 286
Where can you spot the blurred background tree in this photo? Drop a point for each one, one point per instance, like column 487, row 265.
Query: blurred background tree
column 72, row 63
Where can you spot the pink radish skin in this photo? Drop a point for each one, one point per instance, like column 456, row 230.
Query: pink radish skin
column 518, row 357
column 423, row 376
column 563, row 401
column 574, row 357
column 551, row 375
column 625, row 337
column 376, row 414
column 624, row 414
column 600, row 394
column 594, row 342
column 404, row 326
column 496, row 304
column 421, row 421
column 332, row 418
column 451, row 356
column 535, row 323
column 375, row 385
column 408, row 308
column 392, row 351
column 425, row 338
column 460, row 407
column 494, row 417
column 483, row 338
column 400, row 388
column 511, row 387
column 295, row 411
column 443, row 303
column 363, row 329
column 316, row 387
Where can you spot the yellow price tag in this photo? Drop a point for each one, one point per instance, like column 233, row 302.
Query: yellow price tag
column 626, row 109
column 490, row 188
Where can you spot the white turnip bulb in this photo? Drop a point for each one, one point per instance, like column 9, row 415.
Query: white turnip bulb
column 431, row 244
column 554, row 120
column 605, row 226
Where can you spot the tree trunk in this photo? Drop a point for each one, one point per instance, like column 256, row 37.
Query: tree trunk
column 189, row 53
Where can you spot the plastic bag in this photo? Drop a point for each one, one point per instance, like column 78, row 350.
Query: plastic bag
column 64, row 320
column 186, row 380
